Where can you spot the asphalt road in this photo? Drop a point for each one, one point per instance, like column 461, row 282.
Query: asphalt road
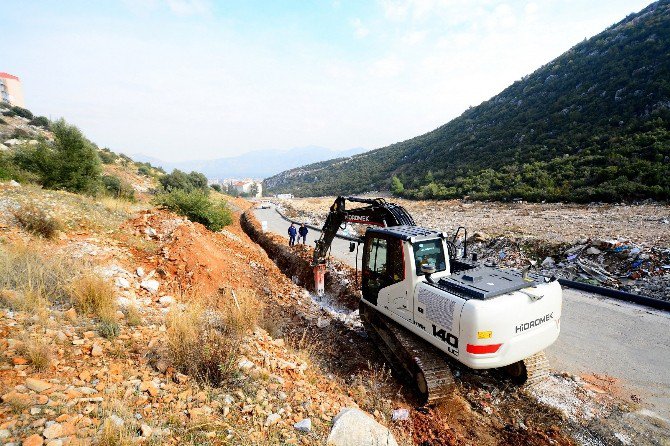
column 598, row 335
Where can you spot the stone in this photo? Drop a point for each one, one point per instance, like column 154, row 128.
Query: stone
column 479, row 237
column 322, row 322
column 37, row 385
column 122, row 282
column 593, row 251
column 400, row 415
column 33, row 440
column 150, row 387
column 303, row 425
column 4, row 433
column 272, row 419
column 96, row 350
column 150, row 285
column 53, row 431
column 116, row 420
column 140, row 272
column 71, row 314
column 146, row 430
column 353, row 427
column 166, row 301
column 549, row 262
column 55, row 443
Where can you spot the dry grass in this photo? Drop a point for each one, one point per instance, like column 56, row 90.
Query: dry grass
column 36, row 221
column 133, row 316
column 113, row 435
column 93, row 294
column 30, row 277
column 204, row 338
column 374, row 389
column 38, row 352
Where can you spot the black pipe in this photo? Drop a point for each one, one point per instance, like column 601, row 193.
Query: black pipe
column 617, row 294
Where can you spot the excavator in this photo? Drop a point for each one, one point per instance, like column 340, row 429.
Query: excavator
column 425, row 304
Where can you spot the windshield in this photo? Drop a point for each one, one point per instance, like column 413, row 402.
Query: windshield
column 429, row 252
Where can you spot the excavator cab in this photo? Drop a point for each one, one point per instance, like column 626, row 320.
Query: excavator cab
column 383, row 264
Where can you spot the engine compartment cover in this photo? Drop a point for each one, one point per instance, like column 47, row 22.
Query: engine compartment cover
column 485, row 282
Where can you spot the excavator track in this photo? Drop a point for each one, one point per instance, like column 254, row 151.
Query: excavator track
column 537, row 369
column 410, row 356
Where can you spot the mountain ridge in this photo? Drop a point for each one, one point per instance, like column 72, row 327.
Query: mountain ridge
column 591, row 125
column 255, row 164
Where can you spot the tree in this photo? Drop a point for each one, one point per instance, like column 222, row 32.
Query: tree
column 70, row 162
column 397, row 187
column 253, row 190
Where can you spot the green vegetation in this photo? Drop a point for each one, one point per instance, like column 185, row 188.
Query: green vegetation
column 592, row 125
column 196, row 206
column 189, row 182
column 70, row 163
column 117, row 188
column 41, row 121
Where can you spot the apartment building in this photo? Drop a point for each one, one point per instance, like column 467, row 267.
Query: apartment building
column 10, row 89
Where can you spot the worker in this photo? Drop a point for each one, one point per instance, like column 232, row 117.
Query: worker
column 302, row 233
column 291, row 234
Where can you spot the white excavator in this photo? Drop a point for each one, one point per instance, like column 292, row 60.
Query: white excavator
column 423, row 301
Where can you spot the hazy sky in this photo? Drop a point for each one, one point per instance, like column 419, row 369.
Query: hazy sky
column 187, row 79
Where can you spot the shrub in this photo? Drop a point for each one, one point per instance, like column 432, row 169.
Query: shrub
column 108, row 328
column 2, row 121
column 178, row 180
column 204, row 338
column 133, row 316
column 216, row 187
column 118, row 188
column 23, row 112
column 36, row 221
column 92, row 294
column 71, row 162
column 107, row 156
column 197, row 207
column 40, row 121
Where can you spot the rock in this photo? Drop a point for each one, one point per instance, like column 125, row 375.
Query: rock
column 150, row 285
column 13, row 183
column 151, row 232
column 122, row 282
column 96, row 350
column 244, row 364
column 322, row 322
column 272, row 419
column 71, row 314
column 400, row 415
column 353, row 427
column 146, row 430
column 3, row 147
column 593, row 251
column 303, row 425
column 166, row 301
column 548, row 262
column 116, row 420
column 55, row 443
column 479, row 237
column 4, row 433
column 140, row 272
column 53, row 431
column 33, row 440
column 149, row 387
column 37, row 385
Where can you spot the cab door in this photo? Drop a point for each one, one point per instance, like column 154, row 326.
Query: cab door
column 384, row 275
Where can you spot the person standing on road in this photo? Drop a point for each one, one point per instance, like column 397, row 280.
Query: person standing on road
column 291, row 234
column 303, row 233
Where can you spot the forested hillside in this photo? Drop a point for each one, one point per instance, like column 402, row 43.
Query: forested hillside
column 592, row 125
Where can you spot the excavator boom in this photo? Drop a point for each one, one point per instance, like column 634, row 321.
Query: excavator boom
column 377, row 212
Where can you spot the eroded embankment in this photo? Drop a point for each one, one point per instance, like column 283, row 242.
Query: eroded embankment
column 295, row 262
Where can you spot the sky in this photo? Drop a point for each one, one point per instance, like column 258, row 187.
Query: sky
column 200, row 79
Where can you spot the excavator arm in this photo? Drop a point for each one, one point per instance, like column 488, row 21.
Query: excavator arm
column 377, row 212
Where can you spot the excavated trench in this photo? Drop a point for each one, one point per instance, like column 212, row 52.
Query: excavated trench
column 485, row 411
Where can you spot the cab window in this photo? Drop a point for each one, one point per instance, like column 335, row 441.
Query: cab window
column 429, row 252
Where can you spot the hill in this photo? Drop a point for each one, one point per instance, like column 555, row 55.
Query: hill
column 592, row 125
column 256, row 164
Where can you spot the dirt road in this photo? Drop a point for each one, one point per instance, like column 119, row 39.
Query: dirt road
column 625, row 342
